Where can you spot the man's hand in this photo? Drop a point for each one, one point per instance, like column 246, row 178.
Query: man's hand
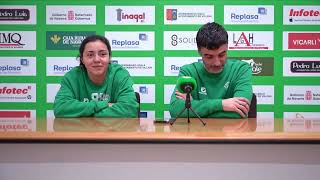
column 182, row 96
column 237, row 104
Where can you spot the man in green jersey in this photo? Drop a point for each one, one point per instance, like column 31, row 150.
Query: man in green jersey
column 224, row 88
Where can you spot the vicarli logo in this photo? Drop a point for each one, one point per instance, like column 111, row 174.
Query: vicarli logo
column 304, row 40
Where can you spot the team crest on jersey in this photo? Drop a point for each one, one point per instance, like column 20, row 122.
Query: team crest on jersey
column 98, row 97
column 226, row 85
column 203, row 91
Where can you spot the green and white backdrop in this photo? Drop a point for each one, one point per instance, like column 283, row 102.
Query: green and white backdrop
column 152, row 39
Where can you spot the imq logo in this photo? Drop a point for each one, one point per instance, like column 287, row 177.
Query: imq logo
column 261, row 66
column 11, row 40
column 66, row 40
column 17, row 40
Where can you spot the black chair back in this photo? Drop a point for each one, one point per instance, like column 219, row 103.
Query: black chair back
column 138, row 100
column 253, row 107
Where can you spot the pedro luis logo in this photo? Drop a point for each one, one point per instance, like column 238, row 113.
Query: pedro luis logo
column 66, row 40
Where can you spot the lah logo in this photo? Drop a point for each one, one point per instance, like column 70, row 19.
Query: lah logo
column 243, row 40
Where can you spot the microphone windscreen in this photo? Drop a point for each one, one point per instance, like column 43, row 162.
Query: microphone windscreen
column 186, row 81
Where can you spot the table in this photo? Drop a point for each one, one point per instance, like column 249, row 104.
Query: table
column 95, row 148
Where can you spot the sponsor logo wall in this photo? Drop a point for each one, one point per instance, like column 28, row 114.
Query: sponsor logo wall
column 39, row 43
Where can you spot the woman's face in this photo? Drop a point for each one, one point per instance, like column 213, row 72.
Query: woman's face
column 96, row 59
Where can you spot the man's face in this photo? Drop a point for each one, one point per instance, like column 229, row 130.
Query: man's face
column 214, row 60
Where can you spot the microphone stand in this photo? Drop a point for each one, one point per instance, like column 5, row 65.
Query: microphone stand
column 188, row 107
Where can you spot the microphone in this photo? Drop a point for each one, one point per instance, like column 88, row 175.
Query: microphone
column 186, row 84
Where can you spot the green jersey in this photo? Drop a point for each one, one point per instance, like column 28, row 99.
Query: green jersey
column 79, row 97
column 233, row 81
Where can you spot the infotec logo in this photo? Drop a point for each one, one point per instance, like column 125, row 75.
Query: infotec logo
column 180, row 40
column 261, row 66
column 255, row 40
column 300, row 15
column 65, row 40
column 248, row 14
column 302, row 95
column 131, row 40
column 18, row 14
column 301, row 40
column 188, row 14
column 10, row 92
column 17, row 40
column 301, row 66
column 172, row 65
column 71, row 14
column 133, row 15
column 17, row 66
column 147, row 92
column 17, row 120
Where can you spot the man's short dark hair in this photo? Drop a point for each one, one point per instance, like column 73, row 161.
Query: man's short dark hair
column 211, row 36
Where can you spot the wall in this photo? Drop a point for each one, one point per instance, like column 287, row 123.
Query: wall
column 283, row 82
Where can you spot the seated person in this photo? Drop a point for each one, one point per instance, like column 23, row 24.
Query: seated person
column 97, row 87
column 224, row 87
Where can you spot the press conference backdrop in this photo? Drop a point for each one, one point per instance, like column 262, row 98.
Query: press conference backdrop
column 152, row 39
